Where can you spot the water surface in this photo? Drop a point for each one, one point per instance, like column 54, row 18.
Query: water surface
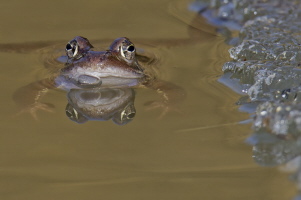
column 175, row 157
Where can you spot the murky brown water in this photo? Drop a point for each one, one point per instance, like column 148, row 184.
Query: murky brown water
column 149, row 158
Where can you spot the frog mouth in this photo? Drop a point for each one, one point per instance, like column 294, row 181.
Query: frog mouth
column 86, row 81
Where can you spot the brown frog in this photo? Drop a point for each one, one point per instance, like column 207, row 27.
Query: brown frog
column 116, row 67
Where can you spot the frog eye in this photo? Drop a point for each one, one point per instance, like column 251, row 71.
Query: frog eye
column 128, row 52
column 72, row 49
column 75, row 116
column 126, row 115
column 131, row 48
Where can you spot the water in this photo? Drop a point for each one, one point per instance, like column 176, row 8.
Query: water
column 198, row 153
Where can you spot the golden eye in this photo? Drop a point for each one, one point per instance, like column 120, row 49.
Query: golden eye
column 72, row 49
column 131, row 48
column 128, row 52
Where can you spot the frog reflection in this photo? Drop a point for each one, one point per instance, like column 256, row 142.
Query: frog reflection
column 116, row 67
column 101, row 104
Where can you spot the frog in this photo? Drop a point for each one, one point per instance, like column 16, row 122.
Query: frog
column 115, row 67
column 84, row 68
